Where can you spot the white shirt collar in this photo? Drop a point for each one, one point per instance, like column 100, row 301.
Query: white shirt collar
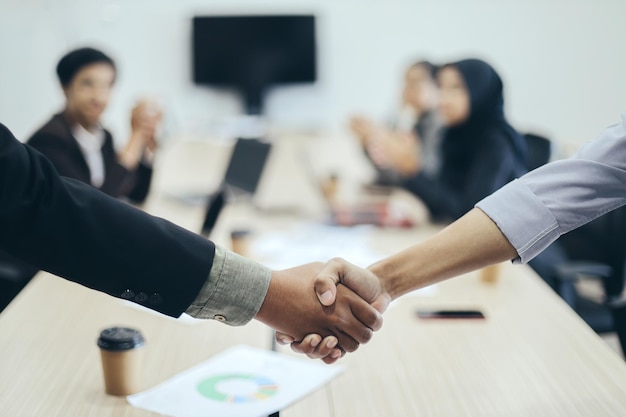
column 90, row 144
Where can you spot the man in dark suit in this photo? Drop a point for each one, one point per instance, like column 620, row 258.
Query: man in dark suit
column 72, row 230
column 77, row 144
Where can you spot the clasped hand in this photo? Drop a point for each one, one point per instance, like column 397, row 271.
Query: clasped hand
column 325, row 310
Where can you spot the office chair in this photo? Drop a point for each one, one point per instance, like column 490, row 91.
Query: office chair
column 538, row 153
column 538, row 149
column 597, row 250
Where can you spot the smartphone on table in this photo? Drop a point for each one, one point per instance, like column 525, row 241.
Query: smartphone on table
column 449, row 314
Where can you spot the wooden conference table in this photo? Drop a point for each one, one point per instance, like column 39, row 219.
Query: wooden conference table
column 532, row 356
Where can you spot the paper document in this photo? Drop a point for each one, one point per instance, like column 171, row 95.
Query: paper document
column 311, row 243
column 240, row 382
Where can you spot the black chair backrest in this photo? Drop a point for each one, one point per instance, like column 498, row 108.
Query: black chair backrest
column 602, row 240
column 539, row 150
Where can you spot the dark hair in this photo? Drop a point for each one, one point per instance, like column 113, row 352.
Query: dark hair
column 429, row 66
column 77, row 59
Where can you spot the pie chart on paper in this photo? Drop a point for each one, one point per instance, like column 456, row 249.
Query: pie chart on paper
column 237, row 388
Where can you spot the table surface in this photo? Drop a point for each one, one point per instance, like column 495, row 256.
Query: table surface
column 532, row 355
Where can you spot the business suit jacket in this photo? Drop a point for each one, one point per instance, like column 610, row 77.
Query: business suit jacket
column 56, row 141
column 73, row 230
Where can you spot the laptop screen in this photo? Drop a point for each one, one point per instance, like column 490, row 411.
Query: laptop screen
column 246, row 164
column 243, row 174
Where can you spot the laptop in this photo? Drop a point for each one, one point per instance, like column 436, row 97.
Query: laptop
column 246, row 166
column 242, row 178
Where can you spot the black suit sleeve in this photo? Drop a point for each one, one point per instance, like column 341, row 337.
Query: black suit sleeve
column 74, row 231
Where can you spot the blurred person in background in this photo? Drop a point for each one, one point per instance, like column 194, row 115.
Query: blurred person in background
column 413, row 136
column 75, row 141
column 480, row 150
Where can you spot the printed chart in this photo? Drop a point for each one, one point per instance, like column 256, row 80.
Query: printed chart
column 237, row 388
column 239, row 382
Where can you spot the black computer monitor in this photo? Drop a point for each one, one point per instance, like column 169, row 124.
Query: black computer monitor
column 252, row 53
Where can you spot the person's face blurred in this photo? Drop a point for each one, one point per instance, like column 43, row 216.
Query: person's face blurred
column 89, row 92
column 454, row 99
column 420, row 90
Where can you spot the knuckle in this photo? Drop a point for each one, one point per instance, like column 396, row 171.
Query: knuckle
column 336, row 261
column 376, row 322
column 351, row 347
column 297, row 348
column 367, row 336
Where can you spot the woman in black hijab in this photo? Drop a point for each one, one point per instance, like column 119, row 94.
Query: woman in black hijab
column 480, row 151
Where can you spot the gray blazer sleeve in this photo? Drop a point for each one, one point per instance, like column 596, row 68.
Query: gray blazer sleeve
column 535, row 210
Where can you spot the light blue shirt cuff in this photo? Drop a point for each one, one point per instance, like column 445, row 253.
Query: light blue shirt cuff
column 523, row 219
column 234, row 290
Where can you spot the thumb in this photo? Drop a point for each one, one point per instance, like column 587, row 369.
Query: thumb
column 325, row 285
column 382, row 303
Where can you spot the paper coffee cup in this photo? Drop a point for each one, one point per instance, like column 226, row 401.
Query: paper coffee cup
column 490, row 273
column 240, row 241
column 121, row 353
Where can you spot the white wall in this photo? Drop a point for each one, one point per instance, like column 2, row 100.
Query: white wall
column 562, row 61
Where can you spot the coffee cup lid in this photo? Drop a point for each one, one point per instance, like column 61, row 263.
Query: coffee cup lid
column 120, row 338
column 239, row 233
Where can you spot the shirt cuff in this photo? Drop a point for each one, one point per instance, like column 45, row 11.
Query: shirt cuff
column 523, row 219
column 234, row 290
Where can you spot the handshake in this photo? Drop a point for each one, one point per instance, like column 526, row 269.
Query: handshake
column 325, row 310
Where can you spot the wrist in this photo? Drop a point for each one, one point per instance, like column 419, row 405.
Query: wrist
column 383, row 271
column 265, row 311
column 133, row 151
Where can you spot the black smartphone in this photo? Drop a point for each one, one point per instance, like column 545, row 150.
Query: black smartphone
column 450, row 314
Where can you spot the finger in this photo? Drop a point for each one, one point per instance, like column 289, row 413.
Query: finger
column 335, row 355
column 325, row 348
column 308, row 345
column 366, row 314
column 382, row 303
column 349, row 323
column 362, row 281
column 325, row 283
column 346, row 342
column 283, row 338
column 358, row 333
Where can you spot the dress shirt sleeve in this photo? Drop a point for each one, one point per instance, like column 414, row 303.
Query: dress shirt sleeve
column 234, row 291
column 535, row 210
